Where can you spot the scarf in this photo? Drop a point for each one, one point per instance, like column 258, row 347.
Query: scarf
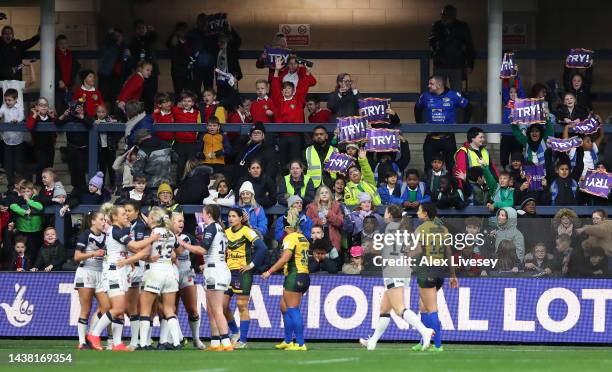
column 65, row 64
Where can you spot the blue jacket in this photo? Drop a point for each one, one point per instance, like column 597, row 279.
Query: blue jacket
column 305, row 226
column 422, row 194
column 439, row 109
column 257, row 218
column 145, row 123
column 390, row 198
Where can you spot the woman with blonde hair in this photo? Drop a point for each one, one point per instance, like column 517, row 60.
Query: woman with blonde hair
column 254, row 214
column 327, row 212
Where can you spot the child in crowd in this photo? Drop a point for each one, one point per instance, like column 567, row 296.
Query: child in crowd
column 17, row 259
column 539, row 262
column 355, row 266
column 364, row 209
column 95, row 194
column 414, row 192
column 28, row 221
column 211, row 107
column 316, row 114
column 123, row 165
column 186, row 143
column 52, row 254
column 467, row 254
column 88, row 93
column 563, row 188
column 322, row 252
column 597, row 264
column 534, row 141
column 390, row 191
column 44, row 142
column 437, row 170
column 352, row 149
column 584, row 157
column 473, row 226
column 52, row 191
column 262, row 108
column 138, row 192
column 504, row 193
column 163, row 115
column 242, row 114
column 108, row 146
column 215, row 146
column 479, row 185
column 133, row 86
column 14, row 154
column 449, row 196
column 568, row 261
column 516, row 168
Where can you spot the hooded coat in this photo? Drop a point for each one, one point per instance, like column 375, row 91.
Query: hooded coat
column 508, row 231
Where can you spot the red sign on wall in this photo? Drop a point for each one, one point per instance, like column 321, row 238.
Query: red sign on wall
column 296, row 34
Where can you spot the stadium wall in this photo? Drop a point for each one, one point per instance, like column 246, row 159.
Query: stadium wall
column 345, row 308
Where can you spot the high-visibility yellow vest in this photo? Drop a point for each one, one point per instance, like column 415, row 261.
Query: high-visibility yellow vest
column 472, row 157
column 291, row 190
column 315, row 170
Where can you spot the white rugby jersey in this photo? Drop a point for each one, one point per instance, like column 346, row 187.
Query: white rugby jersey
column 89, row 242
column 215, row 243
column 163, row 247
column 116, row 244
column 182, row 259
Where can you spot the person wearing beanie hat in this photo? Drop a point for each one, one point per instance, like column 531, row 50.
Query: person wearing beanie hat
column 257, row 126
column 473, row 153
column 247, row 186
column 254, row 148
column 352, row 149
column 165, row 196
column 96, row 181
column 364, row 197
column 251, row 207
column 356, row 265
column 294, row 219
column 292, row 200
column 365, row 208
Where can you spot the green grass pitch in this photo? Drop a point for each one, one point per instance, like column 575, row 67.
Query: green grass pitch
column 320, row 357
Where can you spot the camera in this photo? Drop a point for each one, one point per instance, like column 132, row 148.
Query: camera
column 304, row 62
column 72, row 106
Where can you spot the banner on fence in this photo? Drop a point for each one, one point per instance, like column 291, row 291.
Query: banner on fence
column 374, row 109
column 597, row 183
column 347, row 307
column 579, row 58
column 383, row 140
column 528, row 111
column 564, row 144
column 352, row 129
column 339, row 162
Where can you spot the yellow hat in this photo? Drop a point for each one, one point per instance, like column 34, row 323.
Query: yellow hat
column 164, row 187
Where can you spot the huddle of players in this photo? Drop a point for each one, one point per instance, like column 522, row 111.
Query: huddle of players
column 139, row 264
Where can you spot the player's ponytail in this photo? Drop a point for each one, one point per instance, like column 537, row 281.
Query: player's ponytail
column 214, row 212
column 87, row 218
column 108, row 209
column 159, row 218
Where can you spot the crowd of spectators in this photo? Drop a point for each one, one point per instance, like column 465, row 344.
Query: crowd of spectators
column 340, row 213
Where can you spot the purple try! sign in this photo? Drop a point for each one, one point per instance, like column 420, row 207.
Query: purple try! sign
column 563, row 145
column 597, row 183
column 374, row 109
column 339, row 307
column 579, row 58
column 587, row 126
column 274, row 52
column 509, row 68
column 339, row 162
column 534, row 175
column 382, row 140
column 528, row 111
column 352, row 129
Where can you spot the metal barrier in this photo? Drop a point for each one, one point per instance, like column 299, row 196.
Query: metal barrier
column 423, row 56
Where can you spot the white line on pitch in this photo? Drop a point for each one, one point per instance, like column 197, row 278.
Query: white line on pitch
column 327, row 361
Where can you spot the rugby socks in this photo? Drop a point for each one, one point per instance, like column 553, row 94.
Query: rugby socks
column 94, row 319
column 381, row 327
column 134, row 328
column 117, row 327
column 194, row 325
column 411, row 318
column 82, row 329
column 102, row 323
column 150, row 338
column 288, row 322
column 225, row 341
column 163, row 331
column 437, row 327
column 145, row 326
column 175, row 331
column 244, row 330
column 215, row 341
column 298, row 324
column 233, row 327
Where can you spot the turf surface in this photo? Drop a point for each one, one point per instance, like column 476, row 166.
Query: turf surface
column 321, row 357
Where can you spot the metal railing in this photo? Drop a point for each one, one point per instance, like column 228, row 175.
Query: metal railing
column 423, row 56
column 94, row 132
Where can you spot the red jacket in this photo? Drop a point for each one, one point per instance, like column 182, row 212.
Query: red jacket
column 334, row 217
column 321, row 117
column 235, row 118
column 159, row 118
column 182, row 117
column 258, row 110
column 132, row 88
column 461, row 162
column 92, row 99
column 290, row 110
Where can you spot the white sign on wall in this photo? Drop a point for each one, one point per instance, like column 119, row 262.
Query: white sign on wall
column 296, row 34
